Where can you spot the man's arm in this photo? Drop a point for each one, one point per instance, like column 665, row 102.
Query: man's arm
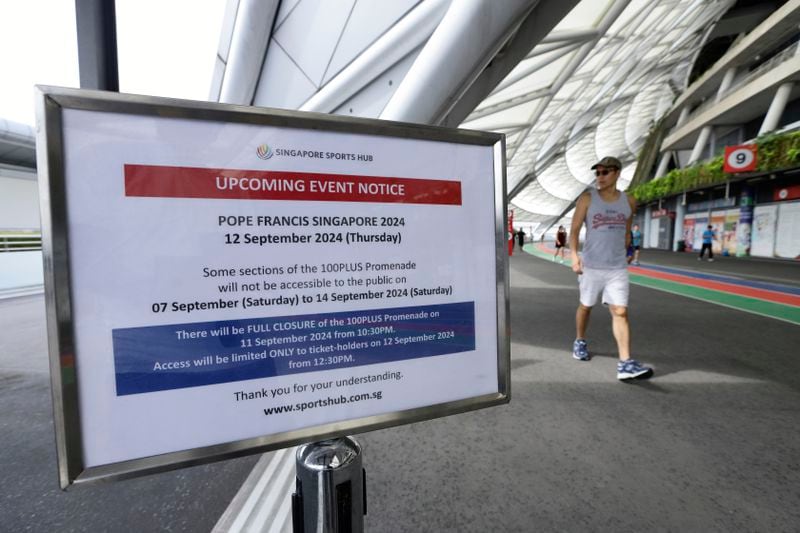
column 632, row 203
column 581, row 208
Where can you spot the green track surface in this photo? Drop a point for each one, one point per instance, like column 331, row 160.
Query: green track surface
column 788, row 313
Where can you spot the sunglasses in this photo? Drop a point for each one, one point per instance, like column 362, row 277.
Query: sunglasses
column 604, row 172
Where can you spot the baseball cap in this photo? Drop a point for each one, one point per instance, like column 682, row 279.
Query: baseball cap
column 608, row 161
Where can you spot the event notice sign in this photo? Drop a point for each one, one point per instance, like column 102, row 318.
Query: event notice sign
column 242, row 281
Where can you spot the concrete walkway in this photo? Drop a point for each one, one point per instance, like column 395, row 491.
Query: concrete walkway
column 189, row 500
column 709, row 444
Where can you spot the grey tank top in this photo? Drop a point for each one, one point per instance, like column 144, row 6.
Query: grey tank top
column 606, row 223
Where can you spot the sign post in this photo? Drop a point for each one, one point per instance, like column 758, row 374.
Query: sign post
column 331, row 494
column 222, row 280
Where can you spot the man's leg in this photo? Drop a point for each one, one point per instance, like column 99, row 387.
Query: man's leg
column 621, row 328
column 582, row 321
column 590, row 287
column 617, row 298
column 580, row 350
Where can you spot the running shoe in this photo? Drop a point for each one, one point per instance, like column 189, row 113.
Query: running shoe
column 632, row 369
column 579, row 350
column 635, row 263
column 711, row 260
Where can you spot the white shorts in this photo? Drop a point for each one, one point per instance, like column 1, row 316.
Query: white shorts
column 611, row 283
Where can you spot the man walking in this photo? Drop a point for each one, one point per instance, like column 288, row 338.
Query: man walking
column 561, row 242
column 601, row 268
column 636, row 243
column 709, row 236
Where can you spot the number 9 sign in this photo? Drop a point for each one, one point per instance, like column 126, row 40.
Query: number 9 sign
column 740, row 158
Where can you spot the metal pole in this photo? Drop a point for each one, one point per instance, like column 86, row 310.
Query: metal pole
column 96, row 25
column 331, row 492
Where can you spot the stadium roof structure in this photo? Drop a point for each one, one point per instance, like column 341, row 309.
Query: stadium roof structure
column 567, row 81
column 595, row 86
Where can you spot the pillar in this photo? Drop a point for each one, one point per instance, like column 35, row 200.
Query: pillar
column 663, row 165
column 699, row 146
column 773, row 118
column 683, row 116
column 680, row 211
column 727, row 80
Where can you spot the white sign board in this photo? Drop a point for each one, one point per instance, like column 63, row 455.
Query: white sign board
column 787, row 234
column 763, row 235
column 242, row 281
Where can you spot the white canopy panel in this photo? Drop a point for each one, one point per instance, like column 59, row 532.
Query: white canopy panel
column 593, row 86
column 601, row 80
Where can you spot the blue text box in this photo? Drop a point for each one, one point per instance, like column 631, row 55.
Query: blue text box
column 154, row 358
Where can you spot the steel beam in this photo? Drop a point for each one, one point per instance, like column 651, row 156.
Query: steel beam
column 466, row 41
column 536, row 26
column 251, row 34
column 409, row 33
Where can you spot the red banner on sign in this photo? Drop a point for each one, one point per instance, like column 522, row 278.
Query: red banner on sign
column 658, row 213
column 188, row 182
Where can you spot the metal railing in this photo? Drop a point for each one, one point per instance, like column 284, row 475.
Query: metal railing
column 20, row 242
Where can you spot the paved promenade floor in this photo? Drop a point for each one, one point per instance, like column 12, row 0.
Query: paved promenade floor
column 711, row 443
column 189, row 500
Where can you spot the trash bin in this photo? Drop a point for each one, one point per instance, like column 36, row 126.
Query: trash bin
column 330, row 495
column 681, row 246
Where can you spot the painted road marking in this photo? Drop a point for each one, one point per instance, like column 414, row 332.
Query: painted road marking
column 730, row 279
column 780, row 305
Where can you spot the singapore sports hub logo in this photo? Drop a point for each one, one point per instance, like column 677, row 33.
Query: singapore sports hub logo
column 264, row 151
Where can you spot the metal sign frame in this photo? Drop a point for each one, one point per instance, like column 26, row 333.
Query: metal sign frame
column 50, row 103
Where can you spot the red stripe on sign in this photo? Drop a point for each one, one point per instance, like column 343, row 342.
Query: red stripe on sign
column 187, row 182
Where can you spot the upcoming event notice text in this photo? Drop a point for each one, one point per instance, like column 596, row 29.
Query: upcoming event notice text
column 235, row 280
